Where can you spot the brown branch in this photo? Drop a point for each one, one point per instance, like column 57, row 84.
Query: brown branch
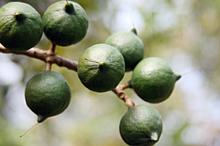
column 119, row 91
column 43, row 56
column 52, row 58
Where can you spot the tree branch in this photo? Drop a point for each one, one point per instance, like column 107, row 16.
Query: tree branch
column 119, row 91
column 43, row 56
column 51, row 58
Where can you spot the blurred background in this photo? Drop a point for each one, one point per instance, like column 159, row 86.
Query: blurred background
column 183, row 32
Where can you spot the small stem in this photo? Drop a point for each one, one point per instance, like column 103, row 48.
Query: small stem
column 30, row 129
column 53, row 48
column 48, row 67
column 125, row 86
column 119, row 91
column 51, row 54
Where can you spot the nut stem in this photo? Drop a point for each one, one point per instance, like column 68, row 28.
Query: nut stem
column 50, row 54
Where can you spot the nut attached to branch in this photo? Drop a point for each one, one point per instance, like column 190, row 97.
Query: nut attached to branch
column 63, row 62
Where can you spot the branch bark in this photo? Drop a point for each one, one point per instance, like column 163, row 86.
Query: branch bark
column 119, row 91
column 43, row 56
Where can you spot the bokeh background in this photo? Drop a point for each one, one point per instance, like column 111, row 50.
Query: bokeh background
column 186, row 33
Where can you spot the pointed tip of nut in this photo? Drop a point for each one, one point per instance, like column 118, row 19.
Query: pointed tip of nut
column 154, row 136
column 41, row 118
column 178, row 77
column 134, row 30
